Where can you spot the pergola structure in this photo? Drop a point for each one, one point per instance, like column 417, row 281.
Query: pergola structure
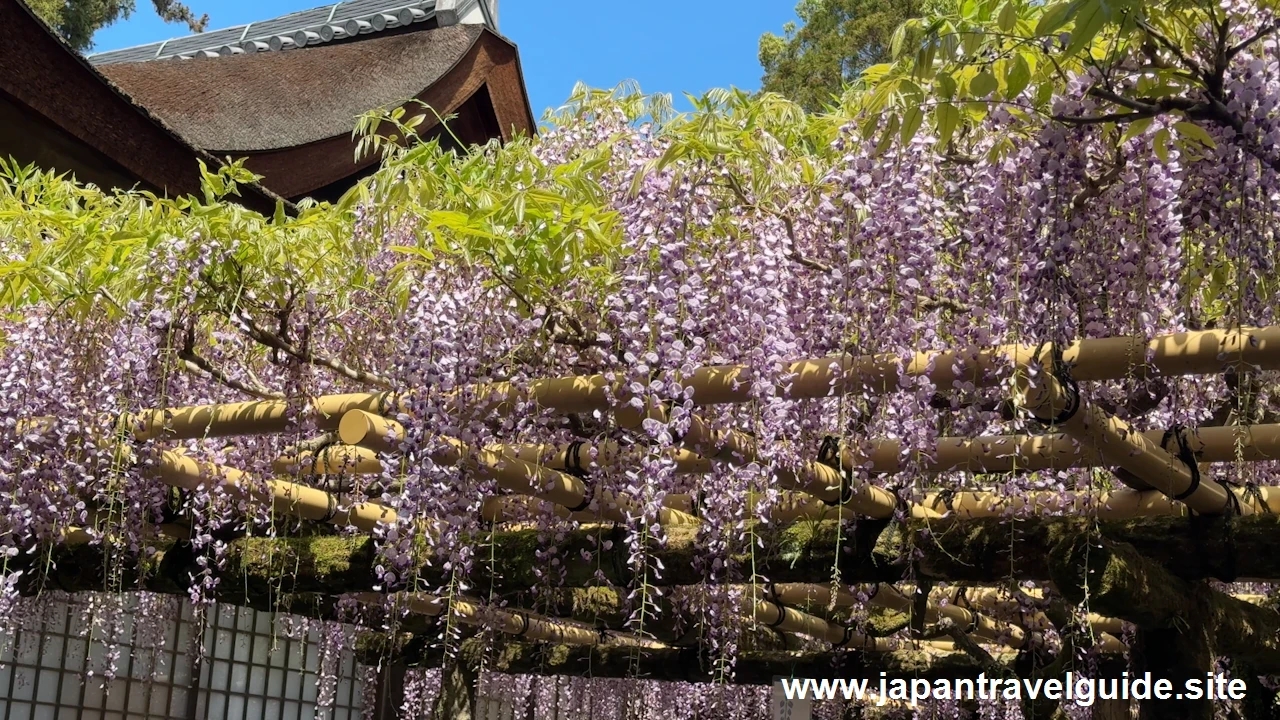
column 1135, row 553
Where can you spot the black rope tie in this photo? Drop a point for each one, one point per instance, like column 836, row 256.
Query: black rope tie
column 947, row 497
column 829, row 455
column 829, row 451
column 1188, row 457
column 1062, row 373
column 1254, row 495
column 782, row 616
column 573, row 466
column 848, row 635
column 524, row 624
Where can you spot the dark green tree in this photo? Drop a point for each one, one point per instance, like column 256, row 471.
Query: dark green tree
column 78, row 20
column 834, row 42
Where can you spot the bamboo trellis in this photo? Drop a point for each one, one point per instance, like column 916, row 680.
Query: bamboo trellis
column 364, row 432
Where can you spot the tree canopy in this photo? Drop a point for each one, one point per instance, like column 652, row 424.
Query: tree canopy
column 77, row 20
column 836, row 40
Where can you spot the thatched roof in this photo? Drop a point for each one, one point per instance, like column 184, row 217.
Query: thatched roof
column 274, row 100
column 60, row 113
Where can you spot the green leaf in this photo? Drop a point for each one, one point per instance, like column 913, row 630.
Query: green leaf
column 1192, row 131
column 1053, row 18
column 890, row 132
column 946, row 86
column 1160, row 144
column 947, row 117
column 1136, row 128
column 1018, row 78
column 1089, row 20
column 983, row 84
column 911, row 120
column 1008, row 18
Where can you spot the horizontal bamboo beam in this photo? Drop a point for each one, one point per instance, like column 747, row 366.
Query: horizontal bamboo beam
column 987, row 551
column 884, row 595
column 516, row 508
column 783, row 618
column 1058, row 451
column 814, row 478
column 1119, row 444
column 336, row 459
column 530, row 627
column 983, row 454
column 1117, row 505
column 688, row 663
column 257, row 417
column 287, row 498
column 1003, row 601
column 367, row 430
column 1189, row 353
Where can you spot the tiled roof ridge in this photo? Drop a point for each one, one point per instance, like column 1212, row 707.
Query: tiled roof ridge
column 316, row 26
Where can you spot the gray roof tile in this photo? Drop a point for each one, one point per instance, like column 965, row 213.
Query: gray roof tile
column 316, row 26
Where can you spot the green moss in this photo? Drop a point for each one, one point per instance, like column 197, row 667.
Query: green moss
column 887, row 622
column 596, row 601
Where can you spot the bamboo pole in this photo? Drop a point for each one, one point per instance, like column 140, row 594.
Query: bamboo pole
column 815, row 478
column 348, row 459
column 787, row 619
column 1117, row 505
column 983, row 454
column 1119, row 444
column 1057, row 451
column 335, row 459
column 1189, row 353
column 364, row 429
column 528, row 626
column 289, row 498
column 885, row 595
column 256, row 417
column 513, row 508
column 1000, row 600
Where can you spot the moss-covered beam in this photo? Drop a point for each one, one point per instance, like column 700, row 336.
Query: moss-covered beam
column 988, row 550
column 687, row 664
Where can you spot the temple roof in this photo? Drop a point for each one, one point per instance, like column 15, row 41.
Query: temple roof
column 335, row 22
column 58, row 112
column 274, row 100
column 289, row 114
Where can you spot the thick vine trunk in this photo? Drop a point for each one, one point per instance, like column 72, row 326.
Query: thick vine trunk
column 457, row 699
column 1182, row 624
column 1121, row 582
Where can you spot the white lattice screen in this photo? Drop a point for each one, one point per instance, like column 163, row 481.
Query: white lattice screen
column 52, row 666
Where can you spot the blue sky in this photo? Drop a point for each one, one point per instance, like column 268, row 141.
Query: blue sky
column 689, row 46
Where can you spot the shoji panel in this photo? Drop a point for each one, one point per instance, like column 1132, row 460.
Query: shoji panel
column 254, row 671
